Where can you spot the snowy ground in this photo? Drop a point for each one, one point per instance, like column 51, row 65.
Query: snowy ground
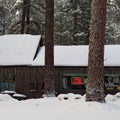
column 63, row 107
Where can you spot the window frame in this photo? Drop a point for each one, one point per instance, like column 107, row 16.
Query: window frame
column 33, row 86
column 69, row 87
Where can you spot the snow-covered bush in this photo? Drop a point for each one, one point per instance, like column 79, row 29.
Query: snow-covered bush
column 69, row 96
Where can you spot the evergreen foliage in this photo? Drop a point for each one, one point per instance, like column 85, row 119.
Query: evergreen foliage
column 71, row 20
column 113, row 22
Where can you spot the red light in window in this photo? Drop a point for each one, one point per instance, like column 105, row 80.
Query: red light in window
column 77, row 81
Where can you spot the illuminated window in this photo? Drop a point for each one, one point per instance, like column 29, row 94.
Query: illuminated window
column 76, row 81
column 73, row 82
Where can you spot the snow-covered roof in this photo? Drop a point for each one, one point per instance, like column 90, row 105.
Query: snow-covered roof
column 18, row 49
column 21, row 50
column 65, row 56
column 78, row 56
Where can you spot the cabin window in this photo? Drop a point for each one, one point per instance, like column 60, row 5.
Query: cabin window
column 77, row 81
column 73, row 82
column 7, row 81
column 112, row 82
column 8, row 77
column 33, row 87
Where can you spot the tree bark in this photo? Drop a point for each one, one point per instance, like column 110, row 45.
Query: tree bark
column 23, row 17
column 28, row 17
column 95, row 81
column 75, row 15
column 49, row 83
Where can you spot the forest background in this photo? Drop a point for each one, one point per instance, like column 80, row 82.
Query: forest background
column 71, row 24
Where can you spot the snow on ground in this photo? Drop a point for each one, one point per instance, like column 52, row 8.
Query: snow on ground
column 63, row 107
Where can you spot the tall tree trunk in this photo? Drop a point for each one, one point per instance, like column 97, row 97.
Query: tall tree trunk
column 95, row 82
column 49, row 82
column 75, row 15
column 3, row 22
column 28, row 16
column 23, row 17
column 61, row 24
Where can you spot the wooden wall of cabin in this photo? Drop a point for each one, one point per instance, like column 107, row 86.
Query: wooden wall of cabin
column 60, row 72
column 30, row 81
column 27, row 80
column 110, row 72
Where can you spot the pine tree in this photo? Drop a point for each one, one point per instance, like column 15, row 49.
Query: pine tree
column 5, row 15
column 113, row 22
column 2, row 20
column 29, row 17
column 49, row 83
column 72, row 21
column 24, row 10
column 25, row 22
column 95, row 82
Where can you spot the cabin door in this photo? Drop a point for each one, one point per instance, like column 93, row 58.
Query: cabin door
column 7, row 81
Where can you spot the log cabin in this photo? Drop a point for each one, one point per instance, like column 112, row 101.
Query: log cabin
column 22, row 66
